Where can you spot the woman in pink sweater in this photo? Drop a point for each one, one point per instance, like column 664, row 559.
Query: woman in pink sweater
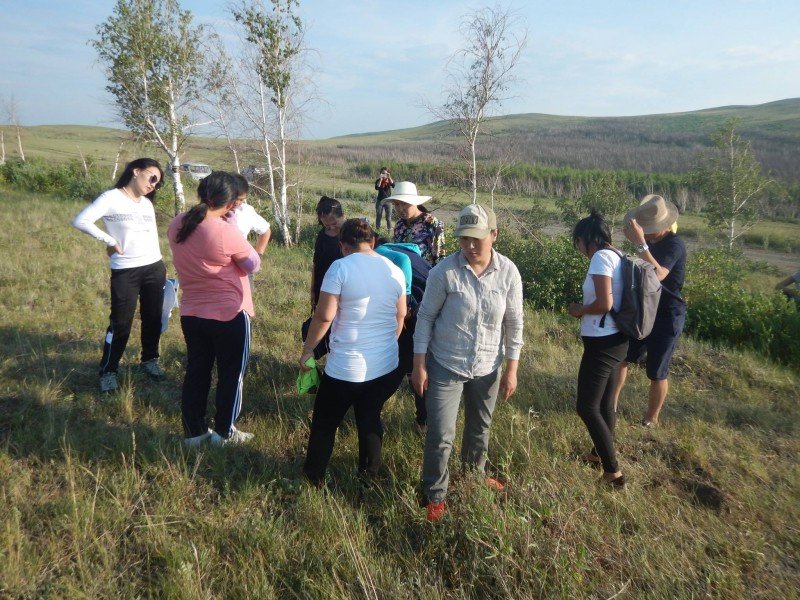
column 212, row 259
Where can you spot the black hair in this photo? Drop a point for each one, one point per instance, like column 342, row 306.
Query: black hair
column 329, row 206
column 215, row 191
column 141, row 163
column 592, row 230
column 244, row 185
column 356, row 231
column 380, row 240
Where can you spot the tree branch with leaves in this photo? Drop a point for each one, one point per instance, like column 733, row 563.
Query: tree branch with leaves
column 276, row 42
column 153, row 56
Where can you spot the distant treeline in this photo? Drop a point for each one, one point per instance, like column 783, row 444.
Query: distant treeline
column 566, row 182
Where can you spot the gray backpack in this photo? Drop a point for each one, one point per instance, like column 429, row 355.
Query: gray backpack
column 641, row 292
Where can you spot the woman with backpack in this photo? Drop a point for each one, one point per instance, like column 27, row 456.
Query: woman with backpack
column 604, row 346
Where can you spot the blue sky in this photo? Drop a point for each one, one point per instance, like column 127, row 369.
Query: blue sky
column 375, row 59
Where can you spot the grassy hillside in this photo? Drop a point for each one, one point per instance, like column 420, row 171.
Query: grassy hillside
column 650, row 143
column 99, row 498
column 777, row 120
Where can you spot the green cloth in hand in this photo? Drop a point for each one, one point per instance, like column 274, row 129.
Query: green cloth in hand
column 308, row 381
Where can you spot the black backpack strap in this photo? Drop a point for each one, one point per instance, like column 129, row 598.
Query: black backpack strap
column 603, row 320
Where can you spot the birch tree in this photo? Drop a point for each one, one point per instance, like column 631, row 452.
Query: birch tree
column 153, row 58
column 732, row 181
column 479, row 75
column 276, row 42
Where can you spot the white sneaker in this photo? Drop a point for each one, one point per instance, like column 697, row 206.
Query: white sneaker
column 234, row 439
column 108, row 383
column 194, row 442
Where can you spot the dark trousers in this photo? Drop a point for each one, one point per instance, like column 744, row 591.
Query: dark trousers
column 333, row 400
column 380, row 209
column 145, row 284
column 207, row 341
column 596, row 380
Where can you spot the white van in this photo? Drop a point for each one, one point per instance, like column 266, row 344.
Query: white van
column 196, row 171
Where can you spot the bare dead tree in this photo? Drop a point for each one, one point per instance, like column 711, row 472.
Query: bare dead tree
column 11, row 109
column 479, row 75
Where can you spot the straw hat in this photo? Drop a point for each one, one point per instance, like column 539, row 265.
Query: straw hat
column 654, row 214
column 405, row 191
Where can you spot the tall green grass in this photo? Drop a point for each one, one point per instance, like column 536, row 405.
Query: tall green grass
column 98, row 498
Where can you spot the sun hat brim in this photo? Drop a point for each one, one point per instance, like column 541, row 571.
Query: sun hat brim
column 670, row 217
column 408, row 199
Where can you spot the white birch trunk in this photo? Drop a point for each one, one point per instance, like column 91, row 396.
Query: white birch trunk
column 19, row 145
column 83, row 161
column 474, row 171
column 284, row 199
column 2, row 148
column 116, row 162
column 177, row 184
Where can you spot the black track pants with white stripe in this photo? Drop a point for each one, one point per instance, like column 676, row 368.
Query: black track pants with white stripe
column 228, row 344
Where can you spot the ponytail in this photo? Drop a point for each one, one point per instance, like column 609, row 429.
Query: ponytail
column 217, row 190
column 190, row 221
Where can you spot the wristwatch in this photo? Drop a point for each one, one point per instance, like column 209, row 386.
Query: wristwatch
column 641, row 248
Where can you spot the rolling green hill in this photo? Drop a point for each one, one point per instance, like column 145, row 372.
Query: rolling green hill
column 664, row 142
column 775, row 120
column 651, row 143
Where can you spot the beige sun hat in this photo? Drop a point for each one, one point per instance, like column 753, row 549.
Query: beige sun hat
column 405, row 191
column 654, row 214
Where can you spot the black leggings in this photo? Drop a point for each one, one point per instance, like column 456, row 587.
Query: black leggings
column 334, row 398
column 597, row 378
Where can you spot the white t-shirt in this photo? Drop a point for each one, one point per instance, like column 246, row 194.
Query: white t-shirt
column 247, row 220
column 363, row 345
column 128, row 222
column 608, row 263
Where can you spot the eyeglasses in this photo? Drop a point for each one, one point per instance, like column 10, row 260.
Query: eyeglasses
column 154, row 181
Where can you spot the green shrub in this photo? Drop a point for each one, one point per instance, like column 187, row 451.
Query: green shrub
column 65, row 179
column 552, row 269
column 721, row 310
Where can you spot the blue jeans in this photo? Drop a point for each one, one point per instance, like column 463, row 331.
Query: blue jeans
column 442, row 400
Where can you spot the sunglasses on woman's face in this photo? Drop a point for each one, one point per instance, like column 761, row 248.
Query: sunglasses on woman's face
column 154, row 181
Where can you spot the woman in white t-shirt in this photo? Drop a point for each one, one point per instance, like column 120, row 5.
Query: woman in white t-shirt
column 604, row 346
column 362, row 300
column 137, row 270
